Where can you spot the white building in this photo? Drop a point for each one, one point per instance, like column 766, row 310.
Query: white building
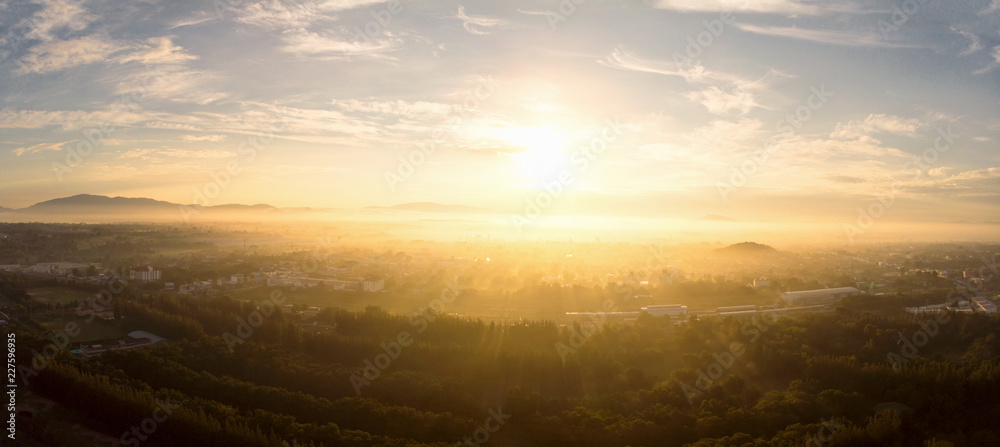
column 763, row 282
column 372, row 285
column 930, row 309
column 673, row 310
column 735, row 308
column 57, row 268
column 143, row 274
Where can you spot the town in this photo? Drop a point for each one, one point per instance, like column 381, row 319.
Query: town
column 561, row 278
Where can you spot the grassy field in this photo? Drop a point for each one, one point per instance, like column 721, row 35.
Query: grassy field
column 93, row 331
column 57, row 295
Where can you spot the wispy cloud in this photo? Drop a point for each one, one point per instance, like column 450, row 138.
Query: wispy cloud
column 201, row 18
column 158, row 50
column 344, row 5
column 281, row 15
column 62, row 54
column 623, row 60
column 39, row 148
column 278, row 15
column 785, row 7
column 719, row 102
column 312, row 45
column 877, row 124
column 974, row 42
column 993, row 7
column 729, row 92
column 57, row 15
column 477, row 24
column 176, row 153
column 826, row 37
column 211, row 138
column 398, row 108
column 174, row 83
column 994, row 64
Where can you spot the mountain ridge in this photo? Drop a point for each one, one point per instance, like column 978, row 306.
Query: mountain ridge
column 80, row 202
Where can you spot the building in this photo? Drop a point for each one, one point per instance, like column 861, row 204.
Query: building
column 672, row 310
column 984, row 305
column 736, row 308
column 372, row 284
column 134, row 340
column 930, row 309
column 818, row 296
column 237, row 279
column 763, row 282
column 57, row 268
column 670, row 276
column 144, row 274
column 10, row 267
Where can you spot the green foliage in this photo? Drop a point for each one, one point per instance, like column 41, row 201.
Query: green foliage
column 808, row 380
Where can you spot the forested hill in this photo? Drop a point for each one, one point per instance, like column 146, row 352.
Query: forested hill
column 845, row 379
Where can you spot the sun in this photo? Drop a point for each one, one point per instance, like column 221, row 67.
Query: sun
column 544, row 153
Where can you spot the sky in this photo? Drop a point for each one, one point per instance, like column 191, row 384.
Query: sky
column 756, row 110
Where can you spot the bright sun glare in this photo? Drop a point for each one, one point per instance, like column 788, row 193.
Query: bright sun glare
column 544, row 156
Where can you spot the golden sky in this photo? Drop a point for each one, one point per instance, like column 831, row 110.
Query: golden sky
column 769, row 109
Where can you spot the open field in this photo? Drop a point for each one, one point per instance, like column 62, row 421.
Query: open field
column 93, row 331
column 57, row 295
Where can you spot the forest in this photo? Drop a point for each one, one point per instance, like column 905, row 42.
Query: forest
column 846, row 378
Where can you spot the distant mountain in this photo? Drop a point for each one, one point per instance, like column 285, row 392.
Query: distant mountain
column 5, row 210
column 241, row 207
column 718, row 218
column 430, row 207
column 93, row 201
column 91, row 206
column 747, row 249
column 82, row 202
